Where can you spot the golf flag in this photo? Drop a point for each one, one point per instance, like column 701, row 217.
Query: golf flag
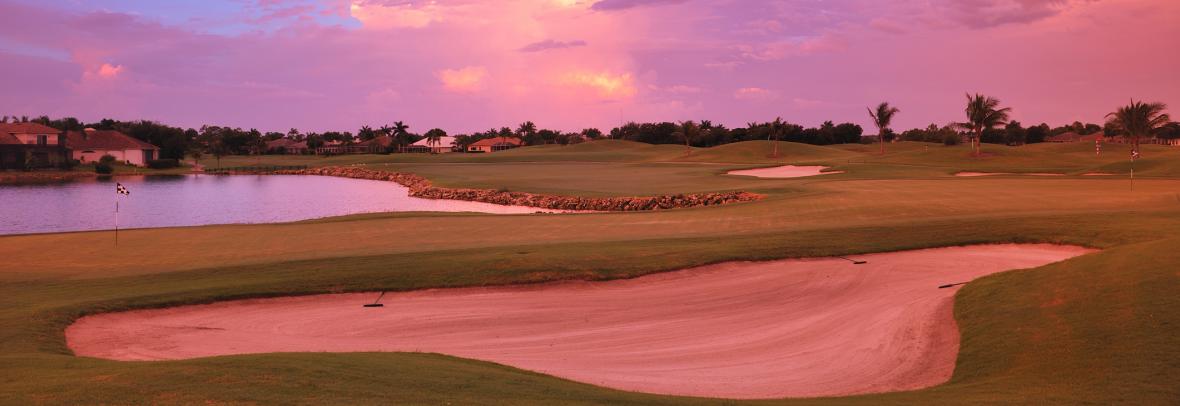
column 121, row 190
column 1134, row 154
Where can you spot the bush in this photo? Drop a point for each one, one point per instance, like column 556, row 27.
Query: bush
column 104, row 165
column 163, row 163
column 951, row 139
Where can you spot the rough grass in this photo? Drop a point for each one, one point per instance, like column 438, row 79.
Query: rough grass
column 1101, row 328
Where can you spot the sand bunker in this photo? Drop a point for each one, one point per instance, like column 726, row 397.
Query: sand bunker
column 786, row 171
column 811, row 327
column 974, row 174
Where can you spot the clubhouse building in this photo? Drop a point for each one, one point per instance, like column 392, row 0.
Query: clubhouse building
column 89, row 145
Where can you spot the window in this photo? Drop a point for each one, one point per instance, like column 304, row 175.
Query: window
column 42, row 139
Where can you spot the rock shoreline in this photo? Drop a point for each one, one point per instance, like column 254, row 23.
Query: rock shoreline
column 421, row 187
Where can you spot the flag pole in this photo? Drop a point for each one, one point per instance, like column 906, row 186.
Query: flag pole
column 116, row 220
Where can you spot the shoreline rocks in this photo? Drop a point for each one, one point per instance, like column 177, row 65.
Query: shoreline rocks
column 421, row 187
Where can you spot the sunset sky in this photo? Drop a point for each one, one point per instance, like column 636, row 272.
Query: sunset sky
column 466, row 65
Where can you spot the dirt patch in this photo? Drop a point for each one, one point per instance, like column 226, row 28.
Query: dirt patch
column 788, row 328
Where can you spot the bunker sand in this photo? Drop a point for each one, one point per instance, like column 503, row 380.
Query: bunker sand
column 787, row 328
column 786, row 171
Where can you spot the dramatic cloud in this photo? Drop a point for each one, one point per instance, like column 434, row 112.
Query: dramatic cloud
column 551, row 44
column 466, row 65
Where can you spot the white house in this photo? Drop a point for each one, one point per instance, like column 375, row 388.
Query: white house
column 445, row 144
column 90, row 145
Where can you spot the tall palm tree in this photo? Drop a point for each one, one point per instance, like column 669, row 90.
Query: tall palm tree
column 777, row 127
column 688, row 131
column 400, row 132
column 881, row 118
column 983, row 113
column 1138, row 119
column 434, row 137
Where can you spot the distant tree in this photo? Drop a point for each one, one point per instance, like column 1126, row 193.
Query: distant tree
column 592, row 133
column 1015, row 134
column 366, row 133
column 882, row 117
column 196, row 154
column 434, row 137
column 983, row 113
column 527, row 131
column 1036, row 134
column 777, row 128
column 1138, row 120
column 401, row 135
column 688, row 131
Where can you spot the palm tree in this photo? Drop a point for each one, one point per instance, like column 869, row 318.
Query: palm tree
column 434, row 137
column 776, row 130
column 688, row 131
column 1138, row 119
column 881, row 118
column 983, row 113
column 400, row 133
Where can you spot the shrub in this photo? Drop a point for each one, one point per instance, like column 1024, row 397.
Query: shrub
column 104, row 165
column 163, row 163
column 951, row 139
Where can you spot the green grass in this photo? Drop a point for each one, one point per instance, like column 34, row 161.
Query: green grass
column 1101, row 328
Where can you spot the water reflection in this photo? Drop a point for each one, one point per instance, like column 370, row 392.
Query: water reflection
column 185, row 200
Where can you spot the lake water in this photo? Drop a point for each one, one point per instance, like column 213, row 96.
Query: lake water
column 188, row 200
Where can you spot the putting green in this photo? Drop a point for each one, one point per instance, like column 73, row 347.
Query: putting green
column 1100, row 328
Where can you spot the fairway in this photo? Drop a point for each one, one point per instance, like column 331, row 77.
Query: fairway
column 1098, row 328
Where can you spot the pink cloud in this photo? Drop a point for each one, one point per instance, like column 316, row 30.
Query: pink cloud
column 1067, row 61
column 464, row 80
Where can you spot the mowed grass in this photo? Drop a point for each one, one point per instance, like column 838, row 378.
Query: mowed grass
column 1101, row 328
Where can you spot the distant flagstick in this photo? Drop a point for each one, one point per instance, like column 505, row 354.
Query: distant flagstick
column 119, row 191
column 1134, row 157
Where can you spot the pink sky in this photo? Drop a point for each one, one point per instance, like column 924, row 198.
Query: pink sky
column 466, row 65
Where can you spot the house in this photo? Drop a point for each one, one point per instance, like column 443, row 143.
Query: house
column 494, row 144
column 377, row 144
column 340, row 147
column 445, row 144
column 286, row 146
column 32, row 145
column 90, row 145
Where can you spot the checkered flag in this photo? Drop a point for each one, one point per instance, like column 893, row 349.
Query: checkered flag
column 1134, row 154
column 121, row 190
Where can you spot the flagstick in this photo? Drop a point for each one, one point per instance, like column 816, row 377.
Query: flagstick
column 116, row 220
column 1132, row 173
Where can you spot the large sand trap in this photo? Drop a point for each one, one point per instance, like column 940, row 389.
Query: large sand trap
column 975, row 174
column 811, row 327
column 786, row 171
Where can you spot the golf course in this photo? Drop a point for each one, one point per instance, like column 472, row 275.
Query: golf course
column 1087, row 315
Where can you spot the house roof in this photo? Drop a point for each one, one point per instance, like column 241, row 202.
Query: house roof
column 104, row 140
column 27, row 128
column 444, row 141
column 380, row 141
column 286, row 143
column 489, row 142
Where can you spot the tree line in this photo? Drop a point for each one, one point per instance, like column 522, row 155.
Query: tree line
column 986, row 122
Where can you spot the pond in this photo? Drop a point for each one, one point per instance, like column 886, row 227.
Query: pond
column 189, row 200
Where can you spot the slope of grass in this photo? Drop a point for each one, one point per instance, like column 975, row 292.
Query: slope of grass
column 1101, row 328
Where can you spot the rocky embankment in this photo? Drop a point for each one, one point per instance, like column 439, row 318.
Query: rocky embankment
column 421, row 187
